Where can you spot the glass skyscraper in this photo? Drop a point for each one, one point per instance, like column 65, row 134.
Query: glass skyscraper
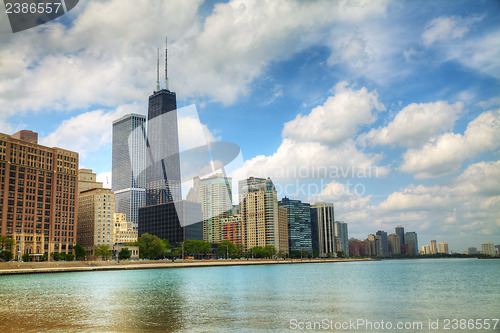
column 128, row 163
column 299, row 224
column 323, row 233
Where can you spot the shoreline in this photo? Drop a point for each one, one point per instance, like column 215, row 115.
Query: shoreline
column 22, row 268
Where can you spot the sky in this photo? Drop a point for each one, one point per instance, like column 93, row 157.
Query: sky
column 388, row 109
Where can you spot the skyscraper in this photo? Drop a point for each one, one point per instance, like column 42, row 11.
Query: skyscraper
column 299, row 224
column 400, row 231
column 381, row 244
column 341, row 233
column 433, row 247
column 394, row 244
column 128, row 164
column 260, row 217
column 412, row 242
column 39, row 189
column 442, row 247
column 488, row 248
column 322, row 219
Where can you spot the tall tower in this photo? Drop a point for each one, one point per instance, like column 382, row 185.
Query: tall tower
column 400, row 231
column 129, row 159
column 163, row 175
column 322, row 223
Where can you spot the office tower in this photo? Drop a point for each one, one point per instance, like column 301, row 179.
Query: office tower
column 260, row 216
column 340, row 229
column 400, row 231
column 215, row 196
column 96, row 220
column 433, row 247
column 370, row 245
column 322, row 218
column 166, row 215
column 128, row 165
column 412, row 242
column 488, row 248
column 244, row 183
column 124, row 230
column 472, row 250
column 38, row 193
column 283, row 230
column 442, row 247
column 299, row 224
column 394, row 245
column 381, row 244
column 231, row 229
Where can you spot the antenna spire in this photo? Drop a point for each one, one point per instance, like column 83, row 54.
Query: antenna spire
column 166, row 57
column 158, row 70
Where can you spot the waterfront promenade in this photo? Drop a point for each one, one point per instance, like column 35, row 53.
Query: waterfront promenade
column 15, row 268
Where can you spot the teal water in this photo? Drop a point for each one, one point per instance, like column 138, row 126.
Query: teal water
column 256, row 298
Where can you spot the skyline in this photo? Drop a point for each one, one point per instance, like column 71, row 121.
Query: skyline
column 408, row 93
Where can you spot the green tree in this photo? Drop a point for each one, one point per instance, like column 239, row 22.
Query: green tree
column 69, row 256
column 6, row 243
column 103, row 251
column 150, row 246
column 79, row 251
column 269, row 251
column 195, row 246
column 6, row 256
column 226, row 248
column 124, row 254
column 340, row 254
column 26, row 257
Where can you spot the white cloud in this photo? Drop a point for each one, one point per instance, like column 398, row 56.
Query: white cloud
column 338, row 118
column 446, row 153
column 88, row 131
column 416, row 124
column 445, row 28
column 105, row 178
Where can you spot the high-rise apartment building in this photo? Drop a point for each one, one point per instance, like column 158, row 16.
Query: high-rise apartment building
column 341, row 233
column 381, row 244
column 215, row 196
column 129, row 165
column 96, row 220
column 231, row 229
column 433, row 247
column 412, row 242
column 260, row 217
column 488, row 248
column 38, row 193
column 442, row 247
column 299, row 224
column 245, row 183
column 426, row 249
column 394, row 244
column 322, row 227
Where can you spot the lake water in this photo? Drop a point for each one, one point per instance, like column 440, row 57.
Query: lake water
column 266, row 298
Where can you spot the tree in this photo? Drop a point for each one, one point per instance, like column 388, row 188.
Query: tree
column 124, row 254
column 69, row 256
column 194, row 246
column 226, row 248
column 150, row 246
column 6, row 243
column 269, row 251
column 340, row 254
column 103, row 251
column 26, row 257
column 79, row 251
column 6, row 256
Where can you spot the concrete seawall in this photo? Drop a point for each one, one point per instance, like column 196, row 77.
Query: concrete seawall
column 19, row 268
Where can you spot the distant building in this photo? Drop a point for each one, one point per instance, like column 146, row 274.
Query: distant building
column 96, row 220
column 38, row 191
column 394, row 245
column 488, row 248
column 426, row 249
column 412, row 242
column 400, row 231
column 472, row 250
column 341, row 233
column 134, row 250
column 381, row 244
column 358, row 248
column 442, row 247
column 245, row 183
column 299, row 224
column 124, row 230
column 370, row 245
column 322, row 228
column 129, row 164
column 87, row 180
column 433, row 247
column 260, row 216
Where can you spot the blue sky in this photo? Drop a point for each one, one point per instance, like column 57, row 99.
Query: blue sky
column 389, row 109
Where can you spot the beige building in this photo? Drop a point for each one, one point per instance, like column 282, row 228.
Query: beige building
column 96, row 218
column 38, row 193
column 488, row 248
column 87, row 180
column 260, row 220
column 124, row 230
column 394, row 244
column 433, row 247
column 442, row 247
